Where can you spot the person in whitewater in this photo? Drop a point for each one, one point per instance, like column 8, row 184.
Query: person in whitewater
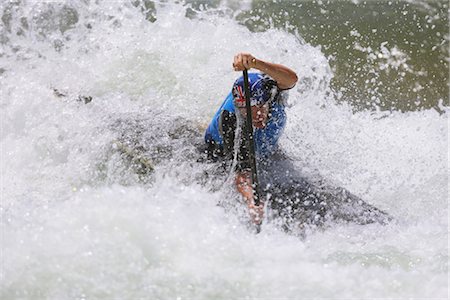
column 268, row 91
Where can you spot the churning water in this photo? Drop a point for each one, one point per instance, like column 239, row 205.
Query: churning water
column 102, row 104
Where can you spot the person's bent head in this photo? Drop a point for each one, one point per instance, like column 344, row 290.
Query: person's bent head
column 263, row 91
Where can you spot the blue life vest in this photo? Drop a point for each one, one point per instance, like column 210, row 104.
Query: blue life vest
column 266, row 139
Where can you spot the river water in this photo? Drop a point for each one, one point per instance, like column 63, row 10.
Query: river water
column 79, row 221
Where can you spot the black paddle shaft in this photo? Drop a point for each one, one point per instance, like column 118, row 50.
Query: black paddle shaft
column 251, row 142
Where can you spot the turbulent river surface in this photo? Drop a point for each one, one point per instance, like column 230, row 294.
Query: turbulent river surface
column 104, row 193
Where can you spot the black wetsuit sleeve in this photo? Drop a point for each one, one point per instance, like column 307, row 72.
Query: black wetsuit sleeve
column 227, row 126
column 243, row 156
column 227, row 129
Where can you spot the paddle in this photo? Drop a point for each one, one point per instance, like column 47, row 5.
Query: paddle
column 251, row 143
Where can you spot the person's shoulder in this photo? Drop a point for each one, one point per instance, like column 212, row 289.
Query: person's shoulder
column 269, row 79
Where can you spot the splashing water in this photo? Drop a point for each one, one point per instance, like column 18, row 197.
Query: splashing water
column 78, row 221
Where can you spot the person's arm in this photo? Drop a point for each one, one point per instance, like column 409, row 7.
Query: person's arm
column 228, row 129
column 243, row 176
column 243, row 182
column 244, row 186
column 285, row 77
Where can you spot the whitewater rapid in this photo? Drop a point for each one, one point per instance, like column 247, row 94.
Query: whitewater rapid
column 78, row 223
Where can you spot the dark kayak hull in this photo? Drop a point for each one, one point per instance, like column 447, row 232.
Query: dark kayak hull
column 301, row 201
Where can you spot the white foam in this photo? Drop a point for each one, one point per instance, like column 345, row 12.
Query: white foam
column 68, row 234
